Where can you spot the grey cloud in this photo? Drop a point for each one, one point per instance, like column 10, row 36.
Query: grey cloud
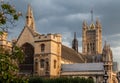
column 113, row 40
column 108, row 10
column 62, row 15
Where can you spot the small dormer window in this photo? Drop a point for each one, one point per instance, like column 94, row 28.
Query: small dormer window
column 42, row 47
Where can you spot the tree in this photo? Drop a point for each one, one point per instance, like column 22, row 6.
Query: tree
column 8, row 15
column 9, row 65
column 9, row 57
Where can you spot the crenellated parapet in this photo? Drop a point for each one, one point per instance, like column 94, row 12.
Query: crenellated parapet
column 46, row 37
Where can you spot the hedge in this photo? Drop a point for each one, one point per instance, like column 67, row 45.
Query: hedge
column 60, row 80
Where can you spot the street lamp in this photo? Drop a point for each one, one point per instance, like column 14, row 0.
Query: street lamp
column 118, row 77
column 105, row 77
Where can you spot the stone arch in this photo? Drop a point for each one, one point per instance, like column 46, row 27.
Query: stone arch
column 27, row 65
column 91, row 78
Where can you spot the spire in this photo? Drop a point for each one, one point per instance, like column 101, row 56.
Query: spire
column 97, row 21
column 98, row 24
column 105, row 43
column 30, row 18
column 107, row 52
column 75, row 43
column 74, row 35
column 92, row 26
column 105, row 46
column 84, row 25
column 92, row 15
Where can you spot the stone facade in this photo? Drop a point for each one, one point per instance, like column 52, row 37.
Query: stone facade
column 92, row 38
column 4, row 43
column 48, row 54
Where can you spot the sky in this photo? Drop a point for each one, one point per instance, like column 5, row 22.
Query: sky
column 66, row 17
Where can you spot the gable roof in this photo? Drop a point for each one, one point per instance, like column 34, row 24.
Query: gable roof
column 31, row 31
column 72, row 55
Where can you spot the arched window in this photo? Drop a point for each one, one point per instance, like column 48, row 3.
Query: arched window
column 28, row 62
column 42, row 63
column 47, row 64
column 55, row 63
column 88, row 47
column 91, row 78
column 36, row 66
column 42, row 47
column 93, row 46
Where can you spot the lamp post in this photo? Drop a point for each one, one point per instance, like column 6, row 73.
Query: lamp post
column 118, row 77
column 105, row 77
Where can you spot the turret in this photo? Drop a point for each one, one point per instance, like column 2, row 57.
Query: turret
column 75, row 43
column 84, row 29
column 84, row 25
column 107, row 53
column 98, row 36
column 108, row 61
column 30, row 18
column 98, row 24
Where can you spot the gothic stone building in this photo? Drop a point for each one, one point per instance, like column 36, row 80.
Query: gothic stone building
column 45, row 55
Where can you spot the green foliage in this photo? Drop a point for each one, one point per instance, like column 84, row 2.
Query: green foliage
column 19, row 80
column 60, row 80
column 36, row 80
column 8, row 65
column 8, row 15
column 18, row 54
column 9, row 59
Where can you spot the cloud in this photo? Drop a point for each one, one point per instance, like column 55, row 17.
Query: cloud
column 67, row 36
column 116, row 52
column 112, row 39
column 70, row 14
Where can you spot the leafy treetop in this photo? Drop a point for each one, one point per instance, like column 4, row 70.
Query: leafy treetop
column 8, row 15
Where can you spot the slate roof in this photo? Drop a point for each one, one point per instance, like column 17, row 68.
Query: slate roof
column 72, row 55
column 79, row 67
column 93, row 58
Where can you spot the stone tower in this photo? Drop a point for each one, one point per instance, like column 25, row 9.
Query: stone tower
column 75, row 43
column 92, row 38
column 108, row 62
column 47, row 59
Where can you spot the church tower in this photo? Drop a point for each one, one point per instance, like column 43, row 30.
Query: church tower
column 92, row 38
column 30, row 18
column 75, row 43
